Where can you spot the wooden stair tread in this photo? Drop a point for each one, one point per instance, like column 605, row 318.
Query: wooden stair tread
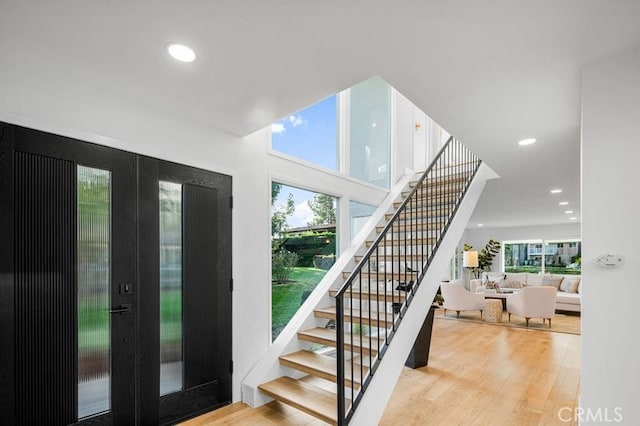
column 323, row 366
column 431, row 213
column 381, row 295
column 313, row 400
column 438, row 180
column 434, row 192
column 413, row 226
column 428, row 205
column 403, row 241
column 382, row 275
column 358, row 317
column 390, row 257
column 328, row 337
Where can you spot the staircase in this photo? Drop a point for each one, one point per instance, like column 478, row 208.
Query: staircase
column 340, row 358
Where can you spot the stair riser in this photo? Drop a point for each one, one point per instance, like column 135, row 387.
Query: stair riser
column 357, row 320
column 413, row 226
column 404, row 243
column 321, row 374
column 433, row 215
column 332, row 343
column 429, row 192
column 382, row 276
column 374, row 296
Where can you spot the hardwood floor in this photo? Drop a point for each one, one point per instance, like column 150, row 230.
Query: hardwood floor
column 478, row 374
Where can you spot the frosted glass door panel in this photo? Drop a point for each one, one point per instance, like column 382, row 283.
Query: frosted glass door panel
column 170, row 288
column 94, row 282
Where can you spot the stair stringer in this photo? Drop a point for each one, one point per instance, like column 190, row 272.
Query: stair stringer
column 268, row 366
column 377, row 394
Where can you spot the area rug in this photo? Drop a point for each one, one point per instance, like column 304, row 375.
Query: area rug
column 565, row 322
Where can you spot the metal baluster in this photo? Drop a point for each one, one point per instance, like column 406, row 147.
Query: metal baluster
column 340, row 356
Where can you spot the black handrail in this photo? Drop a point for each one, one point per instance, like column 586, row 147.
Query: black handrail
column 408, row 271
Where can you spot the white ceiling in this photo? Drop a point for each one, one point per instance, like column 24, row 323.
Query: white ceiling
column 491, row 72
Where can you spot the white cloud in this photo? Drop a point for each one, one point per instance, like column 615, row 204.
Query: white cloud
column 296, row 120
column 302, row 215
column 277, row 128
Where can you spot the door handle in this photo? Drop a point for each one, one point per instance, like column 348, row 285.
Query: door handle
column 124, row 308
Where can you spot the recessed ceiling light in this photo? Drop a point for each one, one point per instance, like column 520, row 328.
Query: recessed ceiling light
column 481, row 225
column 181, row 52
column 529, row 141
column 556, row 191
column 568, row 211
column 563, row 203
column 573, row 218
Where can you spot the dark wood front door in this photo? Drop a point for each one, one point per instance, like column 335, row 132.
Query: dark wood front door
column 80, row 268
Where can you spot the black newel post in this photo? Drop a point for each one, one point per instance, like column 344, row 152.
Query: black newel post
column 419, row 355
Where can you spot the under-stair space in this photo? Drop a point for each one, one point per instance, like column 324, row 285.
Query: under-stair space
column 341, row 355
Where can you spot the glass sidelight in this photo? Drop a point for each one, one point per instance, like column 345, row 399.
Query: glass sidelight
column 94, row 281
column 171, row 359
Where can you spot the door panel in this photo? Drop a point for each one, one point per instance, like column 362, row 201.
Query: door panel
column 201, row 284
column 80, row 286
column 204, row 272
column 59, row 240
column 45, row 276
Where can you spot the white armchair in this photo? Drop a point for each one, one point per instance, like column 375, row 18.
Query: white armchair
column 533, row 302
column 457, row 298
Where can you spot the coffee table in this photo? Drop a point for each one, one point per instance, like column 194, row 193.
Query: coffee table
column 488, row 294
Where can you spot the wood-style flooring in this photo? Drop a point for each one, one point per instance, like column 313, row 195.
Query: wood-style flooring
column 478, row 374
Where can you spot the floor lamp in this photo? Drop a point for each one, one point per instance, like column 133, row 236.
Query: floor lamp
column 470, row 260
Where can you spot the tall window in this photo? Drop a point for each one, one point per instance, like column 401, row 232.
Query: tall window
column 359, row 214
column 556, row 257
column 94, row 279
column 370, row 132
column 170, row 287
column 303, row 248
column 310, row 135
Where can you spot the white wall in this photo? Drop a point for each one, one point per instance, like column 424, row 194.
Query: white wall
column 479, row 237
column 610, row 207
column 114, row 121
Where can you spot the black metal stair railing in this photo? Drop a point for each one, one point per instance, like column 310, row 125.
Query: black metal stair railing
column 376, row 295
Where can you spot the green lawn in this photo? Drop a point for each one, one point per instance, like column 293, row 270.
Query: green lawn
column 286, row 298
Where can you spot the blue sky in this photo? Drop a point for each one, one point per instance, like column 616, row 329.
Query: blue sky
column 309, row 135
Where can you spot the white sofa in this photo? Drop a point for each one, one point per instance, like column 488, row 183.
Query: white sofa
column 569, row 286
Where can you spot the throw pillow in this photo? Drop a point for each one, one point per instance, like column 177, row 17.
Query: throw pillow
column 512, row 284
column 570, row 285
column 494, row 281
column 553, row 280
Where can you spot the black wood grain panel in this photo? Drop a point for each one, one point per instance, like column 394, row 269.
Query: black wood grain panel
column 190, row 403
column 45, row 290
column 149, row 292
column 7, row 349
column 200, row 283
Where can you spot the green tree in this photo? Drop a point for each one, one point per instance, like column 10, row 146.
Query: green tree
column 279, row 216
column 282, row 264
column 324, row 210
column 275, row 191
